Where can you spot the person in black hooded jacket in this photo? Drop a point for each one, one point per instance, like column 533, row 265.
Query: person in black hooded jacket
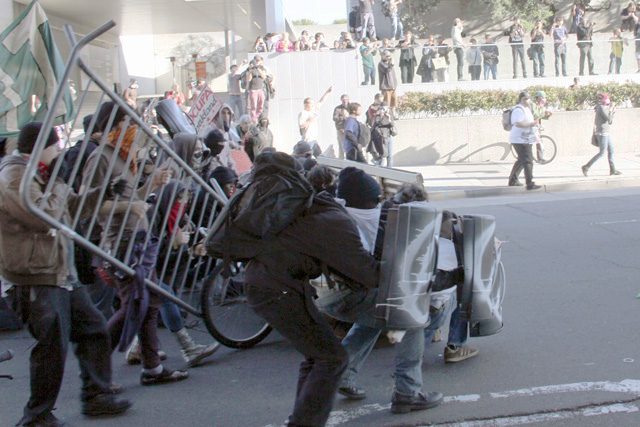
column 278, row 290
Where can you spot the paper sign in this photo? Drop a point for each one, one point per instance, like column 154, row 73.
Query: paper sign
column 205, row 108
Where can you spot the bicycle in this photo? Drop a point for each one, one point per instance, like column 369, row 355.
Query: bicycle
column 544, row 151
column 227, row 314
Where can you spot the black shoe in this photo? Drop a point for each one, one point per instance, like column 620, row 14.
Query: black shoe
column 515, row 184
column 615, row 173
column 105, row 404
column 533, row 186
column 585, row 170
column 401, row 404
column 48, row 420
column 166, row 376
column 353, row 392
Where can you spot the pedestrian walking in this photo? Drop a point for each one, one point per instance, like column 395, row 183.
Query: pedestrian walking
column 523, row 135
column 604, row 118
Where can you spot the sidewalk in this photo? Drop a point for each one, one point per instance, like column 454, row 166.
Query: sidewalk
column 460, row 180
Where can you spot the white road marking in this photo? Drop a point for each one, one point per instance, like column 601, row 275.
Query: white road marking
column 614, row 222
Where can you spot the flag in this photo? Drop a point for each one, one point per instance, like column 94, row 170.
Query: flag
column 30, row 73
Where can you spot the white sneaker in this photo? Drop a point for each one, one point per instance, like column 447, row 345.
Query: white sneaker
column 197, row 353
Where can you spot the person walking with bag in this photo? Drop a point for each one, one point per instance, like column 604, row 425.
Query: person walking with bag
column 604, row 118
column 522, row 137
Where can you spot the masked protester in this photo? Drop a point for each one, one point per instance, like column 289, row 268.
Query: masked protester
column 604, row 118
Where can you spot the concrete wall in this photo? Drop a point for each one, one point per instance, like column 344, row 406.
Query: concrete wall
column 477, row 139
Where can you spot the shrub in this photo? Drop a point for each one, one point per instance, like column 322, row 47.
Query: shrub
column 460, row 102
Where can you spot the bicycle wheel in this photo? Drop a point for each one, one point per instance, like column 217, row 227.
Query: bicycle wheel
column 545, row 151
column 227, row 314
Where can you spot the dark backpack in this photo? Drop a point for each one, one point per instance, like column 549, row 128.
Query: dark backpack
column 248, row 224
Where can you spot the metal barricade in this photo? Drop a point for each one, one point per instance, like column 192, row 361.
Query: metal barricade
column 179, row 272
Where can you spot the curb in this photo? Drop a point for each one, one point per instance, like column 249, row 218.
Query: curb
column 597, row 184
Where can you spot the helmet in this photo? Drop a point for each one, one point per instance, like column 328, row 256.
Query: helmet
column 541, row 94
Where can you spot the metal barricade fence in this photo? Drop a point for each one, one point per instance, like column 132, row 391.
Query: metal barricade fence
column 108, row 228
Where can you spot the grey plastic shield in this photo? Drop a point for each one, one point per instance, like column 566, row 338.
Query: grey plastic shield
column 484, row 278
column 408, row 266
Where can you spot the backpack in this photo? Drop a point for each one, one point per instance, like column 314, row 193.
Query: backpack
column 506, row 119
column 386, row 8
column 256, row 214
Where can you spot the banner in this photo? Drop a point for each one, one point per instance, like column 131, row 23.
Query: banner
column 30, row 72
column 205, row 108
column 201, row 70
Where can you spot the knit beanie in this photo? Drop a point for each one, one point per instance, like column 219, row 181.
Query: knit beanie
column 29, row 134
column 302, row 147
column 223, row 175
column 357, row 188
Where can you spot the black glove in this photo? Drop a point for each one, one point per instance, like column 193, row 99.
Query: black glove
column 116, row 186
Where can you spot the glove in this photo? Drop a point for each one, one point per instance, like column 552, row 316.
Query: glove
column 116, row 186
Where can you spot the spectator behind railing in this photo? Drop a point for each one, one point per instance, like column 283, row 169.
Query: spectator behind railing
column 259, row 45
column 305, row 40
column 319, row 44
column 284, row 45
column 629, row 17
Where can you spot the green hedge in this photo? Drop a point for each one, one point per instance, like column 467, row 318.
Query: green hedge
column 460, row 102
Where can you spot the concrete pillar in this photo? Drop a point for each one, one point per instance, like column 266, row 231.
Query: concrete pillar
column 274, row 16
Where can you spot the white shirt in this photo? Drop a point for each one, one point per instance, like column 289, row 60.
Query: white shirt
column 447, row 259
column 367, row 221
column 311, row 133
column 522, row 135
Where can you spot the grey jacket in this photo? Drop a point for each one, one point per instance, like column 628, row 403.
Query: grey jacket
column 604, row 118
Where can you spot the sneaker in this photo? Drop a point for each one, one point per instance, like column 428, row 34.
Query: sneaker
column 401, row 404
column 515, row 184
column 353, row 392
column 452, row 355
column 166, row 376
column 104, row 404
column 585, row 170
column 533, row 186
column 133, row 355
column 615, row 173
column 195, row 355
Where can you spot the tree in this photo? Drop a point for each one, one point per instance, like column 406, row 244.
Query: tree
column 304, row 21
column 415, row 14
column 340, row 21
column 529, row 10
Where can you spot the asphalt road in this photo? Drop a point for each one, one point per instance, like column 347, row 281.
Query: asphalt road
column 567, row 356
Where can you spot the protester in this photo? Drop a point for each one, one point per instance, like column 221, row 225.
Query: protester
column 425, row 68
column 361, row 195
column 408, row 60
column 384, row 127
column 356, row 134
column 458, row 45
column 388, row 81
column 617, row 47
column 373, row 108
column 308, row 121
column 516, row 38
column 474, row 59
column 200, row 84
column 355, row 22
column 278, row 289
column 537, row 49
column 130, row 94
column 235, row 90
column 176, row 94
column 522, row 137
column 261, row 137
column 584, row 34
column 323, row 178
column 367, row 19
column 490, row 55
column 396, row 23
column 340, row 114
column 629, row 17
column 59, row 307
column 603, row 120
column 560, row 36
column 256, row 76
column 367, row 51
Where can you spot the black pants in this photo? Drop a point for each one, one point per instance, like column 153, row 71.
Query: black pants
column 355, row 155
column 407, row 71
column 524, row 161
column 585, row 53
column 517, row 50
column 57, row 316
column 296, row 317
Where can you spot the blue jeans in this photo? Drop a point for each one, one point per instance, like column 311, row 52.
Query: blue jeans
column 493, row 69
column 369, row 74
column 605, row 144
column 397, row 29
column 458, row 328
column 170, row 312
column 561, row 57
column 538, row 62
column 616, row 62
column 359, row 307
column 235, row 101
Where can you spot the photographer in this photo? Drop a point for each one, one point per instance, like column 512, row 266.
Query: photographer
column 585, row 33
column 368, row 50
column 516, row 35
column 560, row 36
column 388, row 81
column 537, row 49
column 256, row 75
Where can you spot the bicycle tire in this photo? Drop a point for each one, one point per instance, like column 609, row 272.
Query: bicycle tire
column 550, row 150
column 226, row 312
